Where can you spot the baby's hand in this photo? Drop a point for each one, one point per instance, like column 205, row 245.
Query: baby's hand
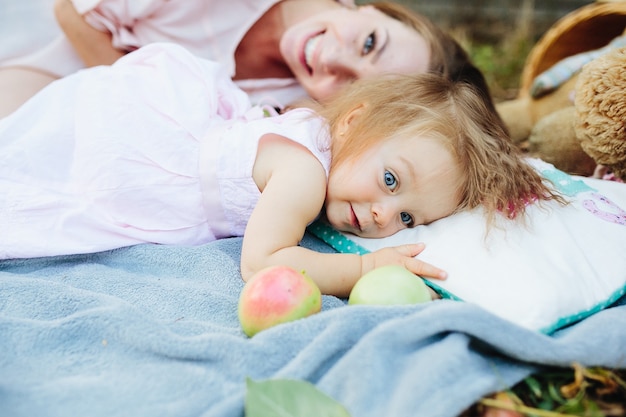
column 403, row 255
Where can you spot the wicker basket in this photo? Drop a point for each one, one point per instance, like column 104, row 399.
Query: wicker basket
column 587, row 28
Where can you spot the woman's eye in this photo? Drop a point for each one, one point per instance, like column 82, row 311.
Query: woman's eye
column 369, row 44
column 407, row 219
column 390, row 181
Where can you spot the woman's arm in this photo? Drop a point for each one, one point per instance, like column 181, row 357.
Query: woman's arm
column 293, row 185
column 93, row 46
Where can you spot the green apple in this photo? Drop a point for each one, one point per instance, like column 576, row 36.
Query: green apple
column 274, row 295
column 391, row 284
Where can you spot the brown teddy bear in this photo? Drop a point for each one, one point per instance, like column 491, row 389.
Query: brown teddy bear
column 541, row 120
column 600, row 112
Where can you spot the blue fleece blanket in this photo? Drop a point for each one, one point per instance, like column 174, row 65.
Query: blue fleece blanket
column 153, row 331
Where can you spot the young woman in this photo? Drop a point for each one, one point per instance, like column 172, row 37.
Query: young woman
column 162, row 147
column 277, row 51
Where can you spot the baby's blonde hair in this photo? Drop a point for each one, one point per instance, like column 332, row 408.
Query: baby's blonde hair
column 455, row 114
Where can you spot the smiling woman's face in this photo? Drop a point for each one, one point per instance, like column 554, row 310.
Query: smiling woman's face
column 332, row 48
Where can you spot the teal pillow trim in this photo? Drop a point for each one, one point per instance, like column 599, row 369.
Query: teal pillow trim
column 342, row 244
column 335, row 239
column 574, row 318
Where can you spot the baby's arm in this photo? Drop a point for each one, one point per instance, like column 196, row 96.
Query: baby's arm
column 93, row 46
column 293, row 185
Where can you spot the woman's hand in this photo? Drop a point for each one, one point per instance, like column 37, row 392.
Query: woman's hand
column 93, row 46
column 403, row 255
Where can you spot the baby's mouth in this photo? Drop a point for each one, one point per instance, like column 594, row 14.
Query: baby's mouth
column 354, row 220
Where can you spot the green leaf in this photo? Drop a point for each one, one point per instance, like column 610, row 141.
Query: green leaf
column 534, row 386
column 555, row 393
column 289, row 398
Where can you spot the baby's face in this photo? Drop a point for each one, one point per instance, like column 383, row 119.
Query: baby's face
column 399, row 183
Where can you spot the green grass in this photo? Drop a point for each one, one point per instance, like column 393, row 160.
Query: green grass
column 501, row 63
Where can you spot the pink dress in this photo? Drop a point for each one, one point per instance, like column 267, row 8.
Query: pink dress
column 211, row 29
column 157, row 148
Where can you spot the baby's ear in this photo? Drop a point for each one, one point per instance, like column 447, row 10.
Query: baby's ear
column 349, row 118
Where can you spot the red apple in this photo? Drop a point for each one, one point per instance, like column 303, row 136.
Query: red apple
column 274, row 295
column 391, row 284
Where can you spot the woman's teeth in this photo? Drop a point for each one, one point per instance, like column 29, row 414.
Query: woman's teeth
column 309, row 49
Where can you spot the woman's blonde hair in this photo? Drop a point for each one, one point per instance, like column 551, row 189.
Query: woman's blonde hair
column 448, row 57
column 451, row 112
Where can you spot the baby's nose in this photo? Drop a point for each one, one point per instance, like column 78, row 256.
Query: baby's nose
column 339, row 62
column 382, row 215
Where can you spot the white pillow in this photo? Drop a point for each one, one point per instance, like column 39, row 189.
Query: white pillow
column 566, row 264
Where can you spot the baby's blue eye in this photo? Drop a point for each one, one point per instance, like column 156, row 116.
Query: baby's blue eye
column 407, row 219
column 390, row 181
column 370, row 43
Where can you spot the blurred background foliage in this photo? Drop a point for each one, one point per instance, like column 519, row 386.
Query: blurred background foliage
column 498, row 34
